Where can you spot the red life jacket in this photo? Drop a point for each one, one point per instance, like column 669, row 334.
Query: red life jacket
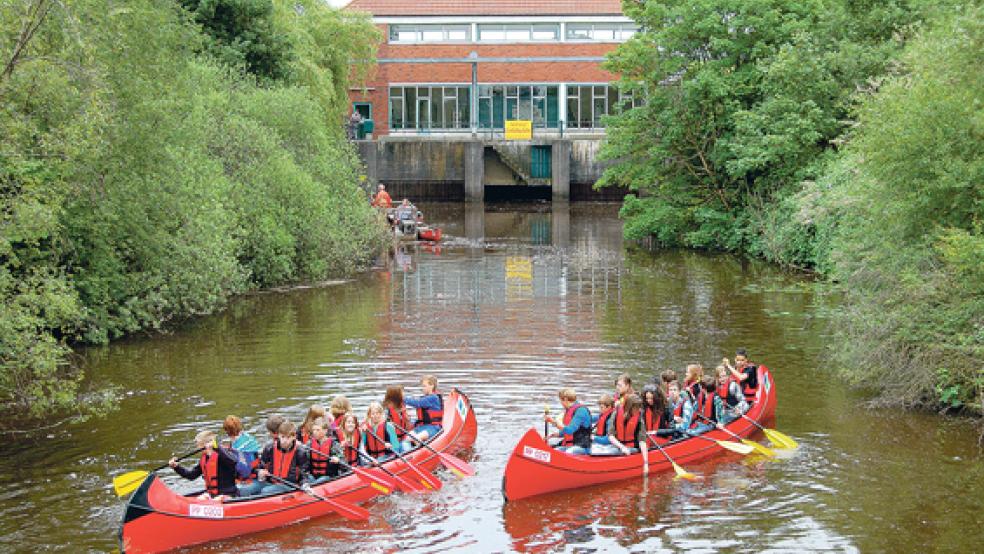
column 374, row 446
column 210, row 472
column 400, row 418
column 678, row 410
column 581, row 437
column 694, row 388
column 282, row 462
column 431, row 417
column 351, row 453
column 625, row 431
column 320, row 452
column 601, row 429
column 724, row 392
column 705, row 407
column 651, row 418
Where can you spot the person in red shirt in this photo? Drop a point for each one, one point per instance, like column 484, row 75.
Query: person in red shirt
column 382, row 198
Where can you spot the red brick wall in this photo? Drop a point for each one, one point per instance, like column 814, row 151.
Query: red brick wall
column 539, row 72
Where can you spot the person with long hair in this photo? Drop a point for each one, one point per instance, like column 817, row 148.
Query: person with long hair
column 349, row 438
column 396, row 413
column 629, row 433
column 380, row 436
column 314, row 412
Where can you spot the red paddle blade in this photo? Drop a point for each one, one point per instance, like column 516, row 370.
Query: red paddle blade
column 378, row 481
column 408, row 485
column 426, row 478
column 457, row 466
column 347, row 510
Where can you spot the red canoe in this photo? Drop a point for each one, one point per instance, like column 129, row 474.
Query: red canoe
column 158, row 519
column 535, row 468
column 432, row 234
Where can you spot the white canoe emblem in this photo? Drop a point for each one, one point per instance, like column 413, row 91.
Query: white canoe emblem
column 536, row 454
column 767, row 383
column 205, row 511
column 462, row 407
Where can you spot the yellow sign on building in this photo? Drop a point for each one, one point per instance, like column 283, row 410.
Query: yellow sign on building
column 519, row 129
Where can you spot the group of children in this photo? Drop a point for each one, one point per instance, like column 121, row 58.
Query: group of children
column 325, row 445
column 665, row 409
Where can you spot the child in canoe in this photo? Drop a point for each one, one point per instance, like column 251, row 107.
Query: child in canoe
column 623, row 387
column 349, row 438
column 729, row 390
column 314, row 412
column 339, row 407
column 217, row 467
column 430, row 409
column 708, row 410
column 284, row 460
column 691, row 383
column 379, row 438
column 604, row 421
column 396, row 413
column 629, row 432
column 745, row 372
column 244, row 444
column 575, row 433
column 654, row 408
column 324, row 451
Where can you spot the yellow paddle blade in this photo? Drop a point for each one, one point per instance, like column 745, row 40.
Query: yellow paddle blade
column 760, row 448
column 458, row 473
column 780, row 440
column 682, row 473
column 379, row 487
column 736, row 447
column 128, row 482
column 426, row 484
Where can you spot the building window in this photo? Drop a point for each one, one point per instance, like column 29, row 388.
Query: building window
column 518, row 32
column 588, row 104
column 601, row 32
column 429, row 107
column 498, row 103
column 429, row 33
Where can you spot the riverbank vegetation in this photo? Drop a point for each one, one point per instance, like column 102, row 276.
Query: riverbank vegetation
column 839, row 136
column 158, row 157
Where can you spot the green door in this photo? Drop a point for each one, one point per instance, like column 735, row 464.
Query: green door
column 541, row 166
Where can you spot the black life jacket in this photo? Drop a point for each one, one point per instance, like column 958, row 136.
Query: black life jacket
column 705, row 407
column 750, row 385
column 376, row 447
column 601, row 429
column 400, row 418
column 582, row 435
column 210, row 472
column 427, row 416
column 320, row 453
column 625, row 431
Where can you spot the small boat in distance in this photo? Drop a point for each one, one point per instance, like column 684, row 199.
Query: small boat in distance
column 408, row 224
column 535, row 468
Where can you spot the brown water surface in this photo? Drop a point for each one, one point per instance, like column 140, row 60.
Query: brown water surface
column 519, row 301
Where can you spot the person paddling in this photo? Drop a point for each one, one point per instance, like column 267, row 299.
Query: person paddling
column 217, row 467
column 380, row 437
column 575, row 433
column 695, row 372
column 283, row 459
column 709, row 406
column 729, row 391
column 430, row 409
column 252, row 486
column 244, row 446
column 339, row 407
column 349, row 438
column 745, row 372
column 324, row 452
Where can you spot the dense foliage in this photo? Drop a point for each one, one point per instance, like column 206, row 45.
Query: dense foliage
column 817, row 134
column 145, row 179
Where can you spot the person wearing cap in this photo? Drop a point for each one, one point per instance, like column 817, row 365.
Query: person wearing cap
column 217, row 467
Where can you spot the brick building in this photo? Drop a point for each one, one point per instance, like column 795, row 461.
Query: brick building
column 456, row 70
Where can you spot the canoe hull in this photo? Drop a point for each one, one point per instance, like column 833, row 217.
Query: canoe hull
column 157, row 519
column 534, row 468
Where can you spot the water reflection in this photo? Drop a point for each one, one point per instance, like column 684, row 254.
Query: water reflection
column 516, row 302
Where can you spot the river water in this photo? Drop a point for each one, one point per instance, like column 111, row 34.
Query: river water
column 519, row 301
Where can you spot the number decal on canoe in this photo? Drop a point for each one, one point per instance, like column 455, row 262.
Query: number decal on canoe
column 462, row 407
column 207, row 512
column 536, row 454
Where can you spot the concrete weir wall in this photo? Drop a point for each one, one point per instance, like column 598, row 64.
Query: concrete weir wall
column 454, row 168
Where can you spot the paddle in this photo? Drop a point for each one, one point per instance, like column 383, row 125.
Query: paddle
column 546, row 426
column 378, row 482
column 130, row 481
column 426, row 479
column 680, row 472
column 742, row 449
column 457, row 466
column 404, row 484
column 345, row 509
column 760, row 448
column 779, row 440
